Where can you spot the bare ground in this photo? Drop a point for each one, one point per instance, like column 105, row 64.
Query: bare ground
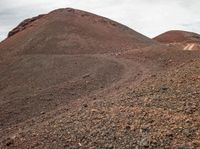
column 117, row 102
column 95, row 84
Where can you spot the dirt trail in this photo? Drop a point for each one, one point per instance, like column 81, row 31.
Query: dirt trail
column 132, row 71
column 139, row 103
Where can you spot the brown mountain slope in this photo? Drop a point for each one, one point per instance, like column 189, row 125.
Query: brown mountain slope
column 180, row 39
column 177, row 37
column 67, row 82
column 51, row 60
column 70, row 31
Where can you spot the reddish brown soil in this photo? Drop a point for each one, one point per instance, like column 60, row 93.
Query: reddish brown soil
column 180, row 40
column 177, row 37
column 72, row 79
column 69, row 31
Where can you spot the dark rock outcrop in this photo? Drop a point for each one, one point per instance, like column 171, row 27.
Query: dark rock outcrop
column 23, row 25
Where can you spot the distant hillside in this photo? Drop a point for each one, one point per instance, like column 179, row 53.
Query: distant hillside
column 71, row 31
column 183, row 39
column 178, row 36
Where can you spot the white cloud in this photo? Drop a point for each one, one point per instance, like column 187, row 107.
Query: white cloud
column 149, row 17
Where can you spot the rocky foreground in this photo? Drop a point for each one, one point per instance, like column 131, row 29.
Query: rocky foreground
column 59, row 91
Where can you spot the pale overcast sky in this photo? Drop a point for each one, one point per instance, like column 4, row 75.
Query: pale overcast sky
column 149, row 17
